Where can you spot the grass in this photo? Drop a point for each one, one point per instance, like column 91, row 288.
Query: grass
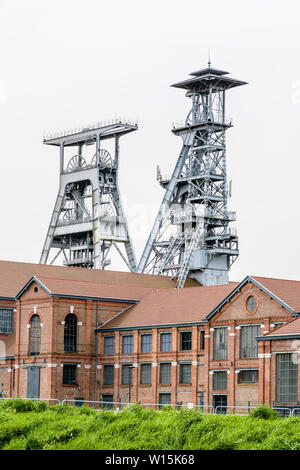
column 33, row 426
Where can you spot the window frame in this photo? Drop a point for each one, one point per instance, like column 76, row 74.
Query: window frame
column 202, row 340
column 125, row 346
column 182, row 374
column 217, row 382
column 143, row 344
column 35, row 333
column 164, row 335
column 218, row 356
column 245, row 336
column 124, row 380
column 255, row 373
column 112, row 347
column 164, row 394
column 110, row 376
column 70, row 333
column 163, row 366
column 144, row 371
column 74, row 368
column 185, row 342
column 288, row 373
column 8, row 322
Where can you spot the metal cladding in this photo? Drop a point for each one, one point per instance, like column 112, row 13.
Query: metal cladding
column 191, row 235
column 88, row 218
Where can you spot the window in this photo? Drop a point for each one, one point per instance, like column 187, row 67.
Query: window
column 220, row 343
column 146, row 373
column 202, row 339
column 165, row 373
column 251, row 303
column 201, row 401
column 185, row 374
column 164, row 399
column 248, row 341
column 286, row 379
column 247, row 376
column 186, row 340
column 35, row 336
column 109, row 344
column 127, row 343
column 69, row 374
column 6, row 320
column 70, row 333
column 220, row 380
column 126, row 374
column 146, row 343
column 108, row 375
column 107, row 401
column 166, row 342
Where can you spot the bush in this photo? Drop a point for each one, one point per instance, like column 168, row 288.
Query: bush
column 264, row 412
column 19, row 405
column 134, row 408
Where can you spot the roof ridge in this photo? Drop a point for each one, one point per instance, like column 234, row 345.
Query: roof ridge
column 98, row 282
column 275, row 278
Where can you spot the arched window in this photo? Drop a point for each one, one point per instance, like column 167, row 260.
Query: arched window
column 70, row 333
column 35, row 336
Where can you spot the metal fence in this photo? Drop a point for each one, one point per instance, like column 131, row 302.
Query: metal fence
column 240, row 410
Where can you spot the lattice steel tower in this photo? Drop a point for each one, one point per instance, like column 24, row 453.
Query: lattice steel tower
column 88, row 217
column 191, row 234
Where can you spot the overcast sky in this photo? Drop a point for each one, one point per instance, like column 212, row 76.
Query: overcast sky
column 67, row 63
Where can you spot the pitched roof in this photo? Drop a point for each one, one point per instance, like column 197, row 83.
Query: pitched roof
column 285, row 290
column 291, row 328
column 14, row 275
column 87, row 289
column 172, row 306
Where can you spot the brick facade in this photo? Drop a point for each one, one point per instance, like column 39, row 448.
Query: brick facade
column 198, row 363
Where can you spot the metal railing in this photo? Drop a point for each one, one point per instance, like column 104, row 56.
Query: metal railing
column 100, row 405
column 54, row 401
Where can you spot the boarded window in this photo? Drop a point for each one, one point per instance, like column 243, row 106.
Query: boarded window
column 220, row 343
column 249, row 348
column 70, row 333
column 286, row 378
column 6, row 320
column 35, row 336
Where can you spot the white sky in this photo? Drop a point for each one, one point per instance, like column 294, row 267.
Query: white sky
column 66, row 63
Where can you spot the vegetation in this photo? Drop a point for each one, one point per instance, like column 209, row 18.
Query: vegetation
column 31, row 425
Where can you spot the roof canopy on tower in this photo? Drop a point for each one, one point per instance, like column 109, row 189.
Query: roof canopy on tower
column 207, row 78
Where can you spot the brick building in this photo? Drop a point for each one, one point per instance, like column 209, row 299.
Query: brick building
column 112, row 336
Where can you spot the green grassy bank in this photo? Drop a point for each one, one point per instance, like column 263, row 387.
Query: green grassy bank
column 30, row 425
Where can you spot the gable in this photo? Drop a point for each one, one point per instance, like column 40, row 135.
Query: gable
column 236, row 308
column 33, row 291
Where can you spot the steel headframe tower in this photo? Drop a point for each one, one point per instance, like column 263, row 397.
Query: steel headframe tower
column 88, row 217
column 191, row 234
